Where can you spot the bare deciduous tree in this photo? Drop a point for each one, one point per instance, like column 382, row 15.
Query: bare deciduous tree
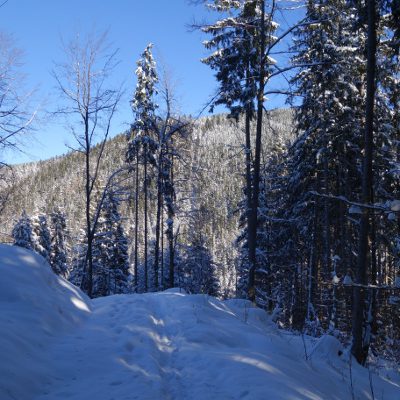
column 16, row 113
column 89, row 108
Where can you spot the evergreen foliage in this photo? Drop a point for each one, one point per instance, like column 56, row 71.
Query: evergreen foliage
column 58, row 249
column 41, row 236
column 22, row 232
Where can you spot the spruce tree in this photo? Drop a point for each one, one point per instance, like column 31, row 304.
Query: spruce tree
column 22, row 232
column 41, row 236
column 141, row 137
column 242, row 44
column 58, row 249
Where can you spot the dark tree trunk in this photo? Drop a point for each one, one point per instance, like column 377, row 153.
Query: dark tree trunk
column 88, row 276
column 162, row 245
column 170, row 230
column 136, row 218
column 145, row 219
column 252, row 234
column 158, row 219
column 360, row 348
column 249, row 189
column 313, row 266
column 326, row 221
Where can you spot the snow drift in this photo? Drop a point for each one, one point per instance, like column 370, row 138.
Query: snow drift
column 36, row 307
column 158, row 346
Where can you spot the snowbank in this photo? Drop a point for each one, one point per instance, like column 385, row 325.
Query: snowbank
column 158, row 346
column 36, row 306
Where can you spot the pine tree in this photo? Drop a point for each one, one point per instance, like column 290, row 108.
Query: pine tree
column 22, row 232
column 115, row 245
column 141, row 136
column 246, row 37
column 110, row 251
column 41, row 236
column 199, row 270
column 58, row 249
column 325, row 159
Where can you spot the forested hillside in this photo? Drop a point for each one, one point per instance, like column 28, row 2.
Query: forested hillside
column 209, row 181
column 296, row 210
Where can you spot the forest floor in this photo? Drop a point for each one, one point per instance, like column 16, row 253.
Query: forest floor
column 59, row 345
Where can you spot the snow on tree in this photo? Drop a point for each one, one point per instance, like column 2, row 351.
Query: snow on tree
column 58, row 248
column 41, row 236
column 110, row 255
column 22, row 232
column 198, row 269
column 142, row 145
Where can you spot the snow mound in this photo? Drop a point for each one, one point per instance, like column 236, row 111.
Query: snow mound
column 157, row 346
column 35, row 307
column 328, row 348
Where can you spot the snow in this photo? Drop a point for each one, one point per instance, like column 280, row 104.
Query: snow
column 36, row 307
column 167, row 345
column 354, row 209
column 395, row 206
column 347, row 280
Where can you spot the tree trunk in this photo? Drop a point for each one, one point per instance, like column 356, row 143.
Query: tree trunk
column 326, row 221
column 252, row 234
column 89, row 234
column 170, row 231
column 162, row 245
column 145, row 220
column 249, row 189
column 359, row 347
column 158, row 219
column 136, row 218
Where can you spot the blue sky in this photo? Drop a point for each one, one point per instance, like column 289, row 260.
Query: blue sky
column 39, row 25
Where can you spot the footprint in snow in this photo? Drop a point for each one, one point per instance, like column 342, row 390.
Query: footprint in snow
column 116, row 383
column 129, row 346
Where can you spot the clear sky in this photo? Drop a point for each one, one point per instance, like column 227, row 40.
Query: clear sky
column 39, row 25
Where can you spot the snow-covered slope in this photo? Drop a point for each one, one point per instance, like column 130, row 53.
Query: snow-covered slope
column 36, row 308
column 166, row 345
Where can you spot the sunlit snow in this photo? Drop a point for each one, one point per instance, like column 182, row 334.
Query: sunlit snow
column 56, row 344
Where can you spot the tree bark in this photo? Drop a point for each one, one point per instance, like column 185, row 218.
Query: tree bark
column 89, row 234
column 359, row 347
column 136, row 218
column 145, row 220
column 170, row 230
column 252, row 234
column 158, row 219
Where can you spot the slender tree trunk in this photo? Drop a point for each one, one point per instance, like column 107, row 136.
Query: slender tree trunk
column 252, row 234
column 249, row 189
column 359, row 348
column 158, row 219
column 162, row 244
column 326, row 223
column 89, row 233
column 145, row 220
column 313, row 268
column 170, row 233
column 136, row 218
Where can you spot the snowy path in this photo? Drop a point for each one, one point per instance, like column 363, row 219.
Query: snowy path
column 171, row 346
column 56, row 344
column 121, row 352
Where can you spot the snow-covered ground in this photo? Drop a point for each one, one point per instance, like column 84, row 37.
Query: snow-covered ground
column 56, row 344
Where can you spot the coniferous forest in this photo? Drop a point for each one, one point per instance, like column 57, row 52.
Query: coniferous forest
column 295, row 208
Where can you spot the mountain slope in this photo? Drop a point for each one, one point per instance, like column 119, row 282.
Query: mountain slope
column 165, row 345
column 208, row 178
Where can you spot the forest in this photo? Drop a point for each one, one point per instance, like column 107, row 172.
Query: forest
column 296, row 208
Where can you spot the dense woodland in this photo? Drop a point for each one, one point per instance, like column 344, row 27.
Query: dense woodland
column 296, row 209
